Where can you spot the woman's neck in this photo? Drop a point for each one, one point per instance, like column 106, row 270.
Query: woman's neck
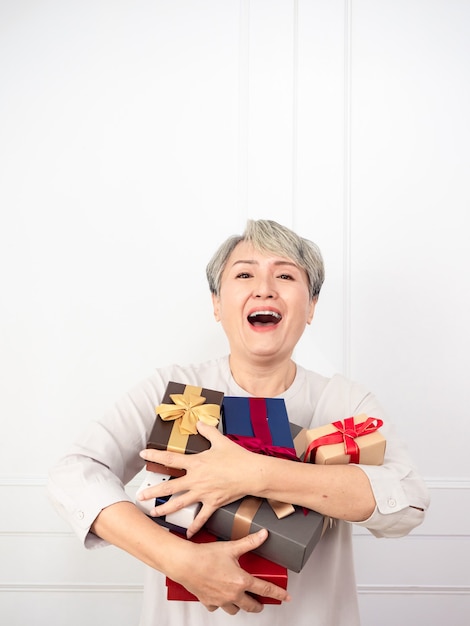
column 263, row 380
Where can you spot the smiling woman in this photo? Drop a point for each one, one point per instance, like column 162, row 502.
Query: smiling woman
column 264, row 286
column 263, row 301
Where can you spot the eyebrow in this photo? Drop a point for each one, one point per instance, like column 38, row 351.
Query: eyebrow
column 253, row 262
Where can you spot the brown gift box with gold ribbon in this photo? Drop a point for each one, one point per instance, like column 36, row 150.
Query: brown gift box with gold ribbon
column 175, row 425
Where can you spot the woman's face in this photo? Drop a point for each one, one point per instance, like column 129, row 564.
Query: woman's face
column 264, row 303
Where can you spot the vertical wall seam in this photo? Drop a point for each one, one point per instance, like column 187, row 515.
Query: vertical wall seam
column 243, row 105
column 347, row 190
column 295, row 111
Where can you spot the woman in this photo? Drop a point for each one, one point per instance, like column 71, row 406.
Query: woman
column 265, row 285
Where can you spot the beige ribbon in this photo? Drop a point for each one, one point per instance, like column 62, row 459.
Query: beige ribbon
column 247, row 510
column 244, row 516
column 281, row 509
column 328, row 522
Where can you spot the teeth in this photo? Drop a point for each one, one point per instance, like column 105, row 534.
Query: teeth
column 273, row 313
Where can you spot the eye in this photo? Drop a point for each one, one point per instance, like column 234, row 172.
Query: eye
column 286, row 277
column 243, row 275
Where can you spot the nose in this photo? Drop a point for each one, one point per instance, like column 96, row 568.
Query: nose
column 264, row 288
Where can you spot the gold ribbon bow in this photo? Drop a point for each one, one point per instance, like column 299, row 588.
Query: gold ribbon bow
column 188, row 408
column 247, row 510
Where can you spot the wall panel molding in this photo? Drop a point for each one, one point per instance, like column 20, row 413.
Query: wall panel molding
column 451, row 590
column 70, row 588
column 448, row 483
column 103, row 588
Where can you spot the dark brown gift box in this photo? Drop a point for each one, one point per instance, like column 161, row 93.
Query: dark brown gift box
column 161, row 431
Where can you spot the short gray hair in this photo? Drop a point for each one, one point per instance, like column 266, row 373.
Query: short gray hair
column 269, row 236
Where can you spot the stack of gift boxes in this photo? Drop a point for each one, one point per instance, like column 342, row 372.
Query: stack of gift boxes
column 260, row 425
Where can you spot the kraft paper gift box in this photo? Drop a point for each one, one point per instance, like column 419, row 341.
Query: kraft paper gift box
column 175, row 425
column 292, row 537
column 250, row 562
column 353, row 440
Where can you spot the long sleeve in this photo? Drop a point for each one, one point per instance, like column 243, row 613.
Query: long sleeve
column 94, row 472
column 400, row 493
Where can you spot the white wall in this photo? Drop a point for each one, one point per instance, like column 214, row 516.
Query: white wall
column 135, row 136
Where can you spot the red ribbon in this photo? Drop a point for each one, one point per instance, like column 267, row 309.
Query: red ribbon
column 346, row 432
column 262, row 442
column 254, row 444
column 259, row 419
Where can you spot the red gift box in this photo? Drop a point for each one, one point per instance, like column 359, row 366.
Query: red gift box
column 250, row 562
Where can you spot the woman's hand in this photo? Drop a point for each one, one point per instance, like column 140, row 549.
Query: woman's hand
column 208, row 570
column 216, row 578
column 218, row 476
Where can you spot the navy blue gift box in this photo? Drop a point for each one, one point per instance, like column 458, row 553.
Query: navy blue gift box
column 262, row 419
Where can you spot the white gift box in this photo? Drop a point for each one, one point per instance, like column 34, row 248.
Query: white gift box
column 181, row 518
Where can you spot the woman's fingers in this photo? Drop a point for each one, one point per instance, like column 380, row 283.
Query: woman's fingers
column 199, row 521
column 166, row 457
column 249, row 543
column 217, row 561
column 258, row 586
column 211, row 433
column 231, row 609
column 211, row 477
column 177, row 459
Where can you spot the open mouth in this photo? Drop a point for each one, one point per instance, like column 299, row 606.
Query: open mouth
column 264, row 318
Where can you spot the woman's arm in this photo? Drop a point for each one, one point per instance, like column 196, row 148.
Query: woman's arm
column 210, row 571
column 227, row 472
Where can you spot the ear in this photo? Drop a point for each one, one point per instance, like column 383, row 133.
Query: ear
column 216, row 307
column 311, row 310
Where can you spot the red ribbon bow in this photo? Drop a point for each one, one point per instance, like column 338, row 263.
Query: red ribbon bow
column 346, row 432
column 262, row 442
column 254, row 444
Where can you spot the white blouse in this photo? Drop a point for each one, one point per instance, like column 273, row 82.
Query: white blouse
column 93, row 473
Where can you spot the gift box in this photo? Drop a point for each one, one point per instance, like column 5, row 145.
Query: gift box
column 291, row 539
column 293, row 531
column 178, row 520
column 259, row 424
column 250, row 562
column 175, row 425
column 353, row 440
